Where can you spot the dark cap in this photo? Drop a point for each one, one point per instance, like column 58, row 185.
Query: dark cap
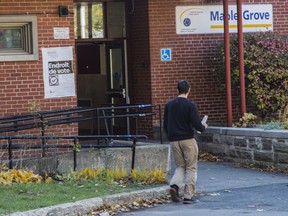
column 183, row 86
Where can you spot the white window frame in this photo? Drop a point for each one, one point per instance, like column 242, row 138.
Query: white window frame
column 29, row 51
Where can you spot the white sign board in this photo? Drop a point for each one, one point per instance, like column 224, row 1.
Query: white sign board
column 210, row 19
column 58, row 72
column 61, row 33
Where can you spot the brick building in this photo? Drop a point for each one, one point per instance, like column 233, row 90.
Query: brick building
column 116, row 50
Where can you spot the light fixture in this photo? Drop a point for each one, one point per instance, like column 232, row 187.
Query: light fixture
column 63, row 11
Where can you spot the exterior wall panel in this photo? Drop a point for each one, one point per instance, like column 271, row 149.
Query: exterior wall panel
column 21, row 82
column 193, row 57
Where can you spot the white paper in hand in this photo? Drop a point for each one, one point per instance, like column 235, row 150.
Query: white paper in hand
column 204, row 120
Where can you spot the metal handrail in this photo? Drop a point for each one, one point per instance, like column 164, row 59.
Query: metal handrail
column 66, row 116
column 109, row 113
column 42, row 119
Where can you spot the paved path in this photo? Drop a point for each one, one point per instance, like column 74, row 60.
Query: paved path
column 230, row 191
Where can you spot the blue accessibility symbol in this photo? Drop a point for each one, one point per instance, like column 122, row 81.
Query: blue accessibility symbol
column 166, row 54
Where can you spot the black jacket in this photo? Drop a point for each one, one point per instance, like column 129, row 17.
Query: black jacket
column 180, row 118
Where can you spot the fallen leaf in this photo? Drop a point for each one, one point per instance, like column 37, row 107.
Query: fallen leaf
column 205, row 156
column 114, row 209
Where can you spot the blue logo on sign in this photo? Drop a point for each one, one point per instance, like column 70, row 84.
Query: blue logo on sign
column 166, row 55
column 187, row 22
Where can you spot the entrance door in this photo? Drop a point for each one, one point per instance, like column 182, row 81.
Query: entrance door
column 100, row 33
column 116, row 82
column 102, row 81
column 117, row 85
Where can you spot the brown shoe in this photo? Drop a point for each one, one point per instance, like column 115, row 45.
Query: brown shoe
column 174, row 193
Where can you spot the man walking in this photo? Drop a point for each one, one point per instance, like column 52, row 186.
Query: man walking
column 181, row 117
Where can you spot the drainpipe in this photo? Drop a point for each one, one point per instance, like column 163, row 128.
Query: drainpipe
column 227, row 64
column 241, row 58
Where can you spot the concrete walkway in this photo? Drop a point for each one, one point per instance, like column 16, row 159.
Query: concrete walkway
column 226, row 190
column 231, row 191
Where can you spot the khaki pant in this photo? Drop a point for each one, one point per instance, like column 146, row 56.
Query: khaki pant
column 185, row 154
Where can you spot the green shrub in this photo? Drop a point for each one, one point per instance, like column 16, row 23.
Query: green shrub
column 247, row 120
column 266, row 71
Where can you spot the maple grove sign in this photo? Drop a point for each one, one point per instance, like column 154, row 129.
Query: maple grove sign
column 210, row 19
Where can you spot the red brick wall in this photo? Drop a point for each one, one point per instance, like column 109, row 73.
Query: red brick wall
column 22, row 81
column 152, row 27
column 139, row 72
column 191, row 59
column 192, row 56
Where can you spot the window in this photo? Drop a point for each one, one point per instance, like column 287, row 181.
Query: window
column 116, row 20
column 89, row 20
column 18, row 38
column 99, row 20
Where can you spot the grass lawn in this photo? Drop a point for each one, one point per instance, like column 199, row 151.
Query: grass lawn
column 23, row 197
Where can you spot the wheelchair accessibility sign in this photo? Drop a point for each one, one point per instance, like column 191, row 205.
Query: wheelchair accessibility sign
column 166, row 54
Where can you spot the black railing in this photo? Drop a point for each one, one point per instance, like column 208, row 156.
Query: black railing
column 67, row 116
column 128, row 111
column 10, row 145
column 45, row 119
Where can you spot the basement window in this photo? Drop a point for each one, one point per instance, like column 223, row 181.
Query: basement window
column 18, row 38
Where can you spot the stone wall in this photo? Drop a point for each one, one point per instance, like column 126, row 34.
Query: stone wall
column 148, row 156
column 246, row 145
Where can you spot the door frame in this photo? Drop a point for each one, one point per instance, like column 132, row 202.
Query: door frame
column 123, row 46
